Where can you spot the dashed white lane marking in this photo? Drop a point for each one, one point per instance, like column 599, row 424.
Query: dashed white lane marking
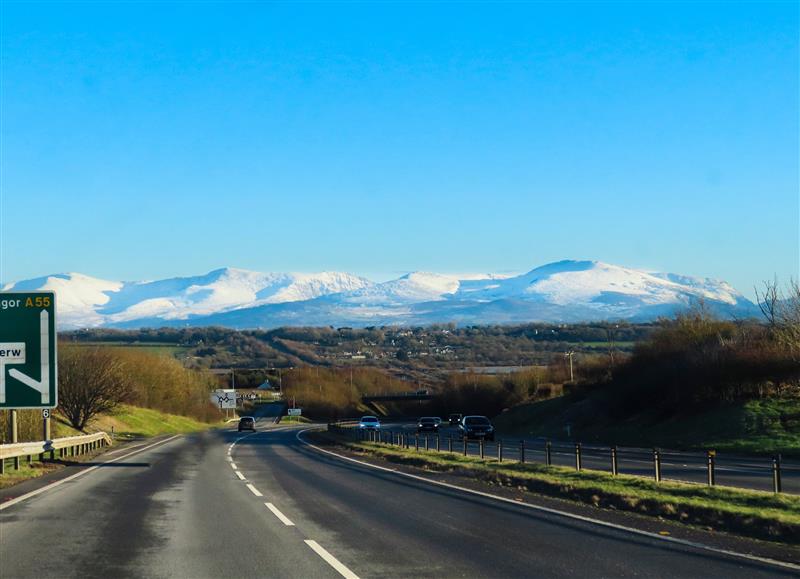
column 674, row 540
column 331, row 560
column 239, row 474
column 21, row 498
column 233, row 466
column 254, row 490
column 284, row 519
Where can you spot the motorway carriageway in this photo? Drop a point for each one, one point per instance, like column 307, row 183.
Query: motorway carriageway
column 228, row 504
column 730, row 470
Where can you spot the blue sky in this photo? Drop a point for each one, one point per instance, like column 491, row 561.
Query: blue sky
column 146, row 140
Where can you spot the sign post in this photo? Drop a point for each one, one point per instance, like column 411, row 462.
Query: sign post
column 28, row 362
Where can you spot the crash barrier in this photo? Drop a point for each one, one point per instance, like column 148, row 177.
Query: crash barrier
column 58, row 448
column 602, row 458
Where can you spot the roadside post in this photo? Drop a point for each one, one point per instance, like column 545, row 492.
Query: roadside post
column 548, row 453
column 776, row 473
column 481, row 446
column 438, row 443
column 614, row 461
column 465, row 446
column 657, row 464
column 522, row 451
column 450, row 443
column 500, row 450
column 427, row 446
column 416, row 442
column 14, row 434
column 578, row 456
column 710, row 459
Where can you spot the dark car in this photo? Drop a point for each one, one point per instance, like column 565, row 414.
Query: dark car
column 247, row 423
column 427, row 424
column 454, row 419
column 476, row 427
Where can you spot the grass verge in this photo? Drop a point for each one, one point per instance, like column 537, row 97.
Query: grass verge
column 750, row 513
column 132, row 421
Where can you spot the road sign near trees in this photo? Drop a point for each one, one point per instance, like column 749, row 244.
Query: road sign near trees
column 28, row 361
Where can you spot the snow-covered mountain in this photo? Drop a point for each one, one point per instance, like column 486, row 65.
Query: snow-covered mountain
column 565, row 291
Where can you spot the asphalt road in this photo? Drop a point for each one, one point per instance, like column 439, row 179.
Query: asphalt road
column 730, row 469
column 196, row 507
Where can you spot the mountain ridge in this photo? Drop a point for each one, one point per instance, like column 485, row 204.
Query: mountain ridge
column 563, row 291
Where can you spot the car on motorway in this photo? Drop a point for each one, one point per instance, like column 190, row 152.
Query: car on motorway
column 427, row 424
column 476, row 427
column 247, row 423
column 437, row 420
column 369, row 423
column 454, row 419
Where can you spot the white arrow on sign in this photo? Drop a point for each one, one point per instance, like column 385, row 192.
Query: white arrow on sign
column 43, row 384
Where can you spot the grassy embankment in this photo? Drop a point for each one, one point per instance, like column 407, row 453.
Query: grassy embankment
column 765, row 426
column 749, row 513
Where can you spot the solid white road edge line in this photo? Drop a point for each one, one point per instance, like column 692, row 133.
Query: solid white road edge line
column 284, row 519
column 331, row 560
column 52, row 485
column 233, row 466
column 549, row 510
column 254, row 490
column 239, row 474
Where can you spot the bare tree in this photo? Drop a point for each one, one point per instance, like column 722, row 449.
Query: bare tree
column 781, row 309
column 90, row 381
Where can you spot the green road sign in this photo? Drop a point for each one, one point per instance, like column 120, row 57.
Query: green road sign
column 28, row 371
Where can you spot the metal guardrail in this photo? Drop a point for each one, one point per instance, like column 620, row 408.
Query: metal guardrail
column 63, row 447
column 522, row 451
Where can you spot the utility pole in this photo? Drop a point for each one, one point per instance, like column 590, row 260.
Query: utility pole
column 571, row 374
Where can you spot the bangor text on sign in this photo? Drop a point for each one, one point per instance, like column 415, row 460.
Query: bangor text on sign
column 28, row 372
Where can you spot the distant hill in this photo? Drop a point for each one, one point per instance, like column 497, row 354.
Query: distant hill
column 565, row 291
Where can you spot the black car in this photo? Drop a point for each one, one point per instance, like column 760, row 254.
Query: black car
column 427, row 424
column 476, row 427
column 454, row 419
column 247, row 423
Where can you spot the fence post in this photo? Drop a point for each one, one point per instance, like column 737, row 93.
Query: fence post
column 522, row 451
column 548, row 453
column 500, row 450
column 776, row 473
column 465, row 446
column 427, row 445
column 710, row 462
column 578, row 456
column 614, row 461
column 657, row 464
column 481, row 446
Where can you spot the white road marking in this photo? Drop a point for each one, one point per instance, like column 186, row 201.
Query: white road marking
column 239, row 474
column 331, row 560
column 39, row 491
column 684, row 542
column 284, row 519
column 233, row 466
column 254, row 490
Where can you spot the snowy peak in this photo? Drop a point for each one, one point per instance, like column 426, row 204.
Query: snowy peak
column 556, row 292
